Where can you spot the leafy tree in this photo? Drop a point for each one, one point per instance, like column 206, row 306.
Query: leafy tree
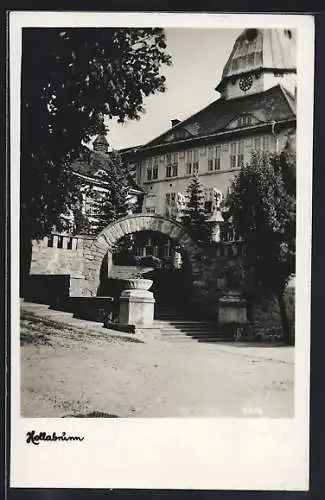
column 194, row 217
column 71, row 79
column 263, row 206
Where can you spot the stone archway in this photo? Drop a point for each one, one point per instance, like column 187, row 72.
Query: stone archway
column 105, row 241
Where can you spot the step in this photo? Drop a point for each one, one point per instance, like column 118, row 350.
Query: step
column 193, row 331
column 185, row 323
column 208, row 338
column 200, row 332
column 189, row 339
column 188, row 327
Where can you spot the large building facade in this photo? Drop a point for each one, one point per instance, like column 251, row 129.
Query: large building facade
column 256, row 110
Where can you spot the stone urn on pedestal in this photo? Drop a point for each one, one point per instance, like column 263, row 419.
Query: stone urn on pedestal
column 137, row 303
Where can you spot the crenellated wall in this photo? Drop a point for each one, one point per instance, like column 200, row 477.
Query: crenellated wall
column 60, row 254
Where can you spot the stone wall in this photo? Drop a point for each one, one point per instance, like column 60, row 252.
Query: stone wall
column 63, row 256
column 59, row 255
column 95, row 251
column 217, row 268
column 214, row 268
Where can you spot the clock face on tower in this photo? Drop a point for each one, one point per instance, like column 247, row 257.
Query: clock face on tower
column 245, row 83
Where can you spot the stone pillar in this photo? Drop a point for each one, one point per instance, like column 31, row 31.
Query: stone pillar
column 232, row 309
column 55, row 241
column 74, row 244
column 137, row 308
column 65, row 240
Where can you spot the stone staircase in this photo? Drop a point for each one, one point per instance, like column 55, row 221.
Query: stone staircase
column 179, row 326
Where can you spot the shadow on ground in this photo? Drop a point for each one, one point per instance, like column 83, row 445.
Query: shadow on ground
column 258, row 343
column 94, row 414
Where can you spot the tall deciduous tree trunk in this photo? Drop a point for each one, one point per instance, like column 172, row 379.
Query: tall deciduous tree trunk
column 287, row 334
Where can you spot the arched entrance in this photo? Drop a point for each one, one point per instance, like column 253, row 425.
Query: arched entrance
column 105, row 241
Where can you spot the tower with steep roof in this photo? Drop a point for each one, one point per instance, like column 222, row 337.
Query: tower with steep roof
column 256, row 111
column 259, row 60
column 101, row 144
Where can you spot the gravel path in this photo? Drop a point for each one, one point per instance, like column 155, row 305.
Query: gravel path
column 66, row 371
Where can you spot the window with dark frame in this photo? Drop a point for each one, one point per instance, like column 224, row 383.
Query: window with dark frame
column 175, row 164
column 189, row 157
column 210, row 158
column 217, row 160
column 155, row 168
column 244, row 121
column 195, row 168
column 240, row 154
column 233, row 149
column 149, row 169
column 169, row 165
column 208, row 207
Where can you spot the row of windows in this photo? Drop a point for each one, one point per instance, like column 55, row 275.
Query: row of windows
column 236, row 158
column 170, row 207
column 171, row 158
column 153, row 250
column 177, row 201
column 244, row 121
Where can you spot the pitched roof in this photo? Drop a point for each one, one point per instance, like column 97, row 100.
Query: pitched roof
column 275, row 104
column 255, row 49
column 101, row 139
column 89, row 162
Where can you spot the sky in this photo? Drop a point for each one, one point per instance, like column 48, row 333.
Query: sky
column 198, row 57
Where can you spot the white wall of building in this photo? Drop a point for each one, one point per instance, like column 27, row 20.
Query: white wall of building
column 261, row 83
column 219, row 154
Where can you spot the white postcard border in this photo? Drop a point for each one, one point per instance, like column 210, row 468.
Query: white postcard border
column 255, row 454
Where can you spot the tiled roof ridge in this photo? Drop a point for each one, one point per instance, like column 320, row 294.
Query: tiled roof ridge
column 83, row 167
column 246, row 98
column 181, row 123
column 289, row 98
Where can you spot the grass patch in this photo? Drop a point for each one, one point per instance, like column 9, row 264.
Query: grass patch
column 43, row 331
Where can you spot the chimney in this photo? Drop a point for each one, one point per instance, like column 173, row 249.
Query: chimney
column 175, row 122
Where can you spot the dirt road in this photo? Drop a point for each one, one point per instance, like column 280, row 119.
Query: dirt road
column 69, row 372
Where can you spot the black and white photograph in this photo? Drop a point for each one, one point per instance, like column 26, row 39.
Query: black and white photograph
column 162, row 234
